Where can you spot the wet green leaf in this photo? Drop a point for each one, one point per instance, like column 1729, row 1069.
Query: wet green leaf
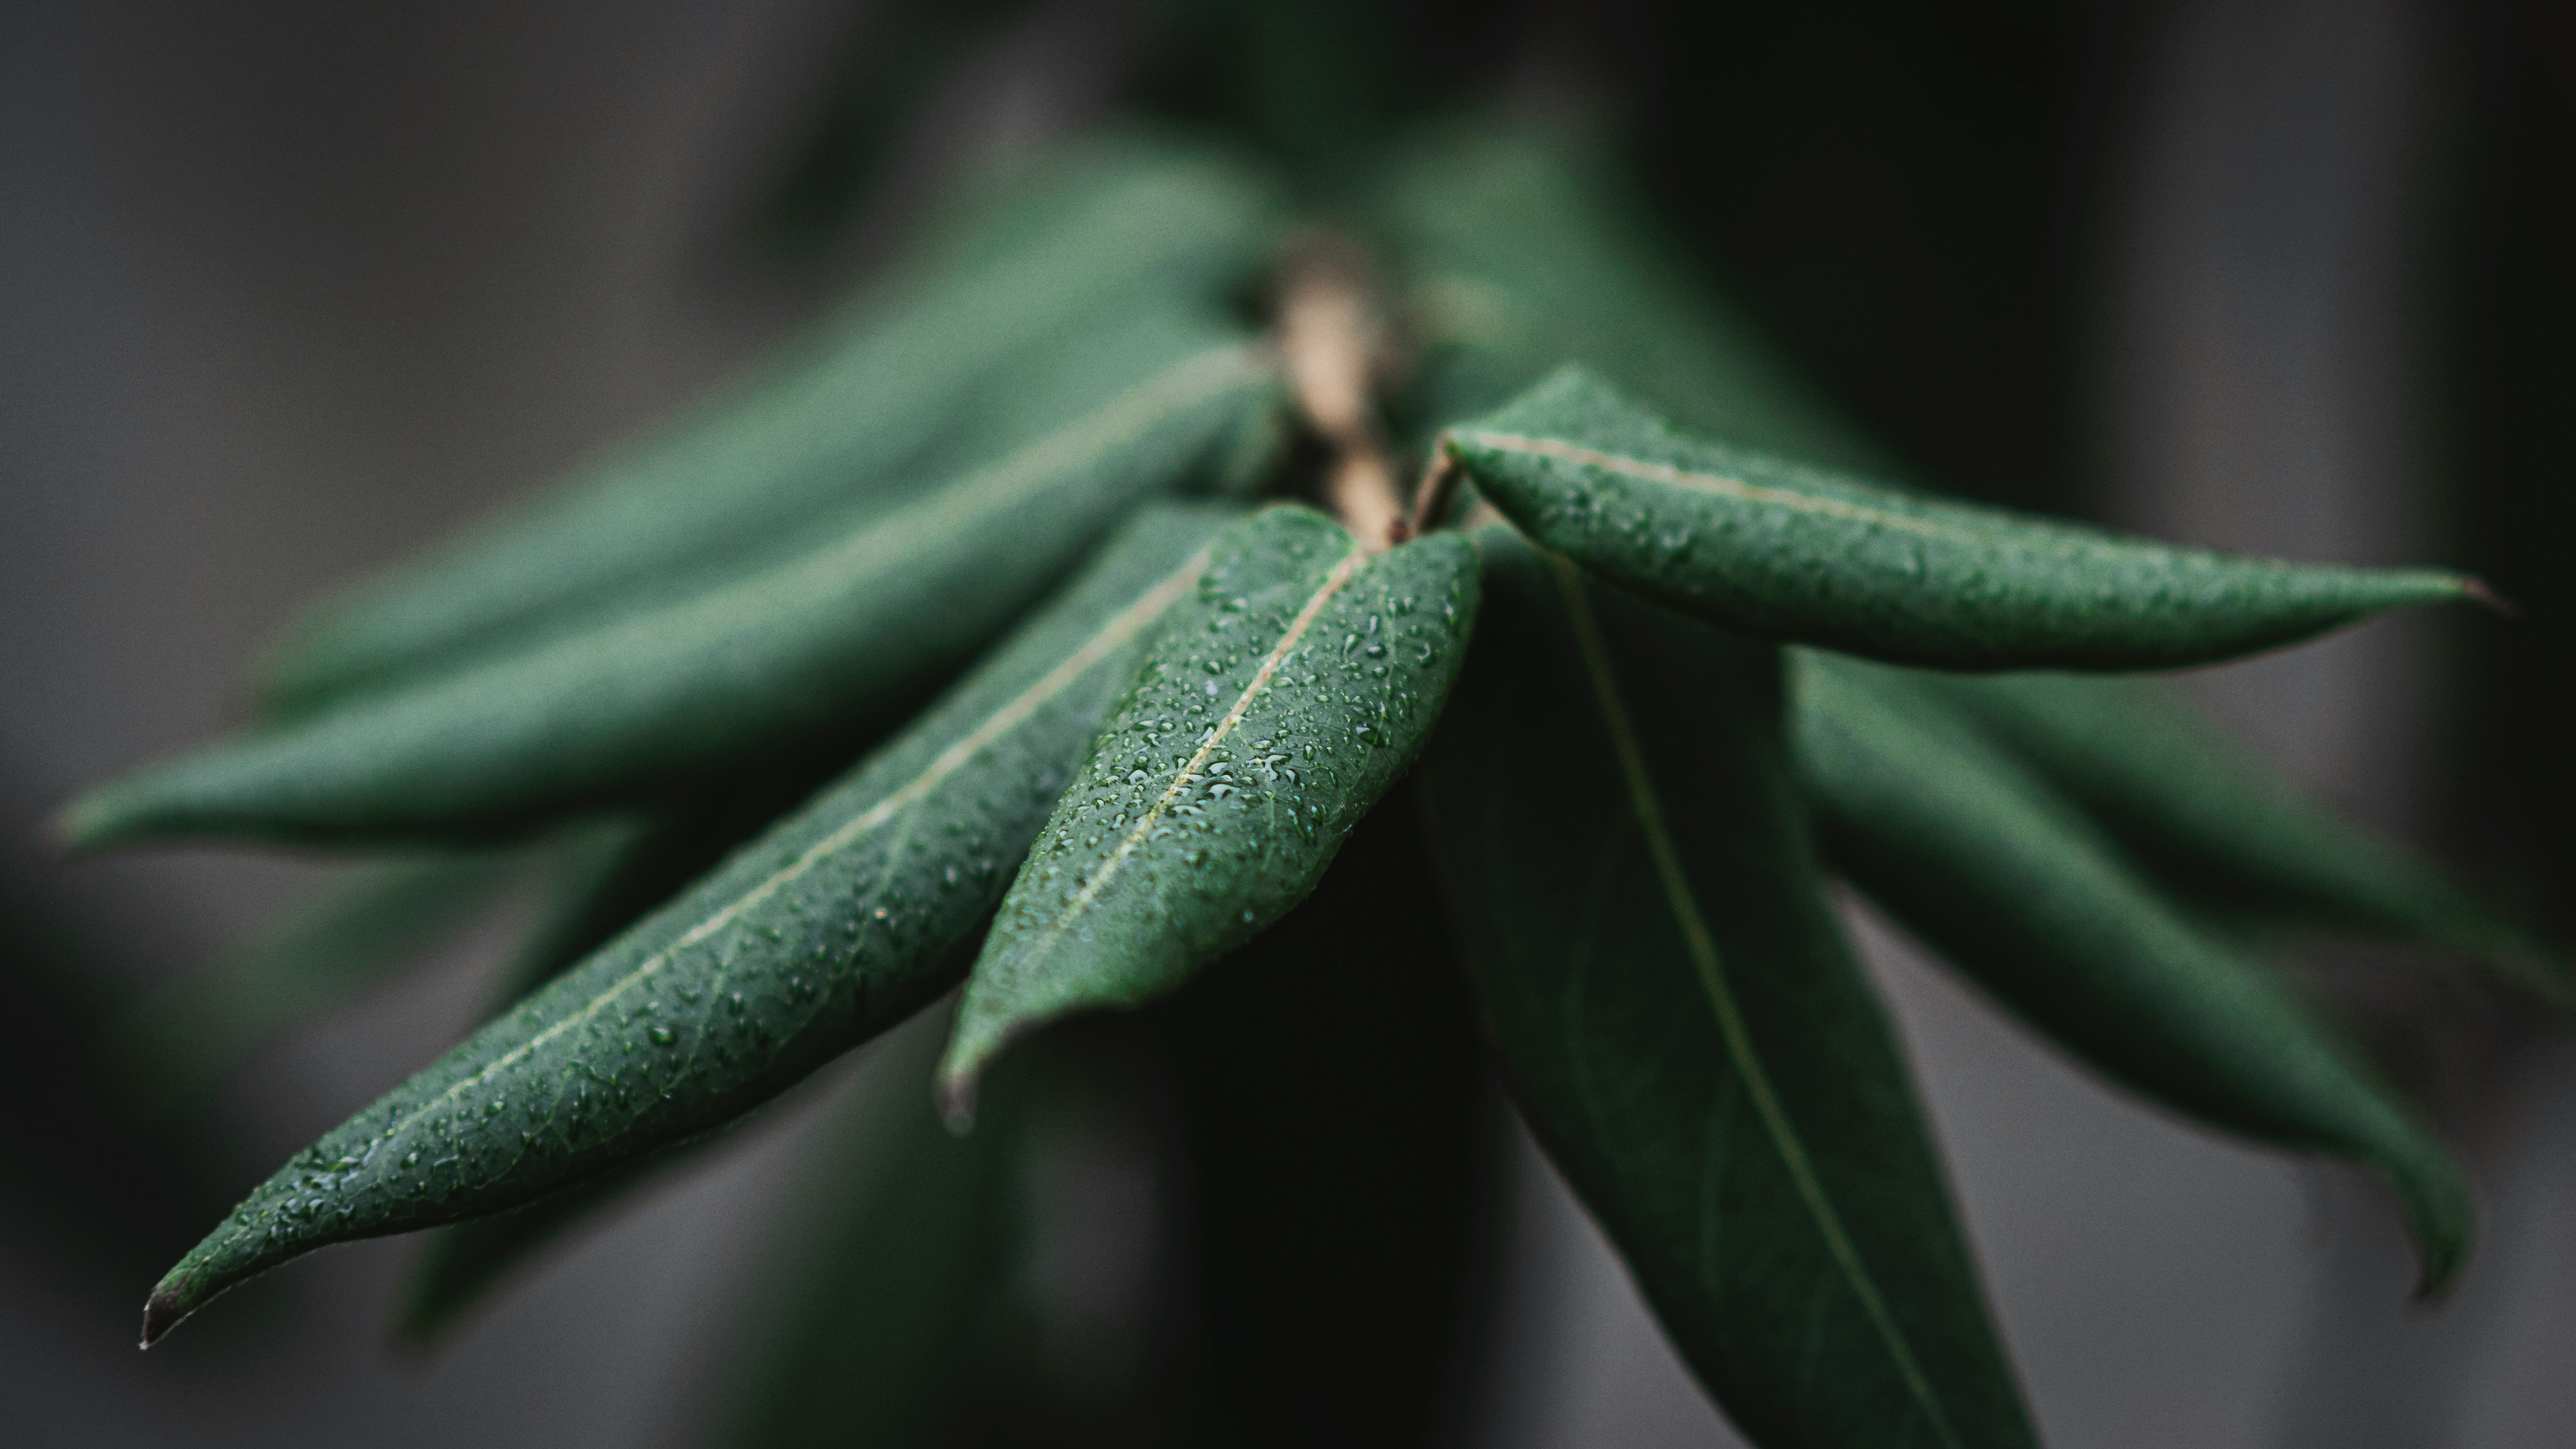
column 1518, row 254
column 1675, row 1009
column 847, row 631
column 1767, row 547
column 368, row 925
column 2017, row 890
column 826, row 431
column 2202, row 812
column 830, row 928
column 608, row 876
column 1274, row 710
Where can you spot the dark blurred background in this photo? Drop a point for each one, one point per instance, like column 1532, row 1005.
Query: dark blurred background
column 287, row 289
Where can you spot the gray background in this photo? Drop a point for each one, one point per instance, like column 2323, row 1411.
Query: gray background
column 286, row 289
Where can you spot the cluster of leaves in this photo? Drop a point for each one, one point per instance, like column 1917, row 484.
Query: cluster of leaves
column 981, row 640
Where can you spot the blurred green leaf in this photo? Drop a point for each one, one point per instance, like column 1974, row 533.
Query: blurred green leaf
column 1758, row 544
column 879, row 78
column 837, row 636
column 832, row 927
column 190, row 1033
column 2013, row 886
column 2202, row 812
column 827, row 434
column 1674, row 1007
column 1518, row 254
column 1273, row 710
column 894, row 1248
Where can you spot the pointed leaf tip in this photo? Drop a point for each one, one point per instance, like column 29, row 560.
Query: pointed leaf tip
column 2477, row 589
column 164, row 1310
column 836, row 924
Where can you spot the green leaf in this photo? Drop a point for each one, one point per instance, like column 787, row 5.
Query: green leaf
column 1272, row 712
column 1519, row 253
column 2202, row 812
column 606, row 879
column 1339, row 1149
column 1767, row 547
column 825, row 642
column 609, row 876
column 882, row 75
column 1673, row 1005
column 2016, row 889
column 830, row 928
column 895, row 1247
column 375, row 920
column 825, row 431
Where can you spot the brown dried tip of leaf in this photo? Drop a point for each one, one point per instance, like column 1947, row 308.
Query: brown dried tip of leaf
column 2476, row 588
column 1333, row 339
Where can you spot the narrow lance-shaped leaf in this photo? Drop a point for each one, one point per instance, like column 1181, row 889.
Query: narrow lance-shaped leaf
column 2016, row 889
column 372, row 923
column 847, row 631
column 1767, row 547
column 2201, row 811
column 1676, row 1011
column 849, row 414
column 1273, row 711
column 830, row 928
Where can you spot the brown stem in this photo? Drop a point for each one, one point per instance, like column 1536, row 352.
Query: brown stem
column 1332, row 336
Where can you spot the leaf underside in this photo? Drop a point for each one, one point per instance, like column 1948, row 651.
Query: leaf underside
column 1675, row 1009
column 2224, row 829
column 2015, row 889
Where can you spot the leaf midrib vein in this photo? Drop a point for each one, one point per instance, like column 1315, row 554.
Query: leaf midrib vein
column 1271, row 663
column 1679, row 898
column 1121, row 627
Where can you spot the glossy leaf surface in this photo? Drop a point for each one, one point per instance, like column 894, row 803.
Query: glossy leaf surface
column 2200, row 810
column 2017, row 890
column 1275, row 708
column 1674, row 1007
column 830, row 928
column 850, row 629
column 366, row 926
column 1767, row 547
column 851, row 414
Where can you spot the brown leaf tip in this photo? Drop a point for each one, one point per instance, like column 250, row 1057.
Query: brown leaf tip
column 161, row 1313
column 2476, row 588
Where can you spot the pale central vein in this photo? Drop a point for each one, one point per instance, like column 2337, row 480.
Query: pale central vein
column 1261, row 677
column 1702, row 946
column 1121, row 628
